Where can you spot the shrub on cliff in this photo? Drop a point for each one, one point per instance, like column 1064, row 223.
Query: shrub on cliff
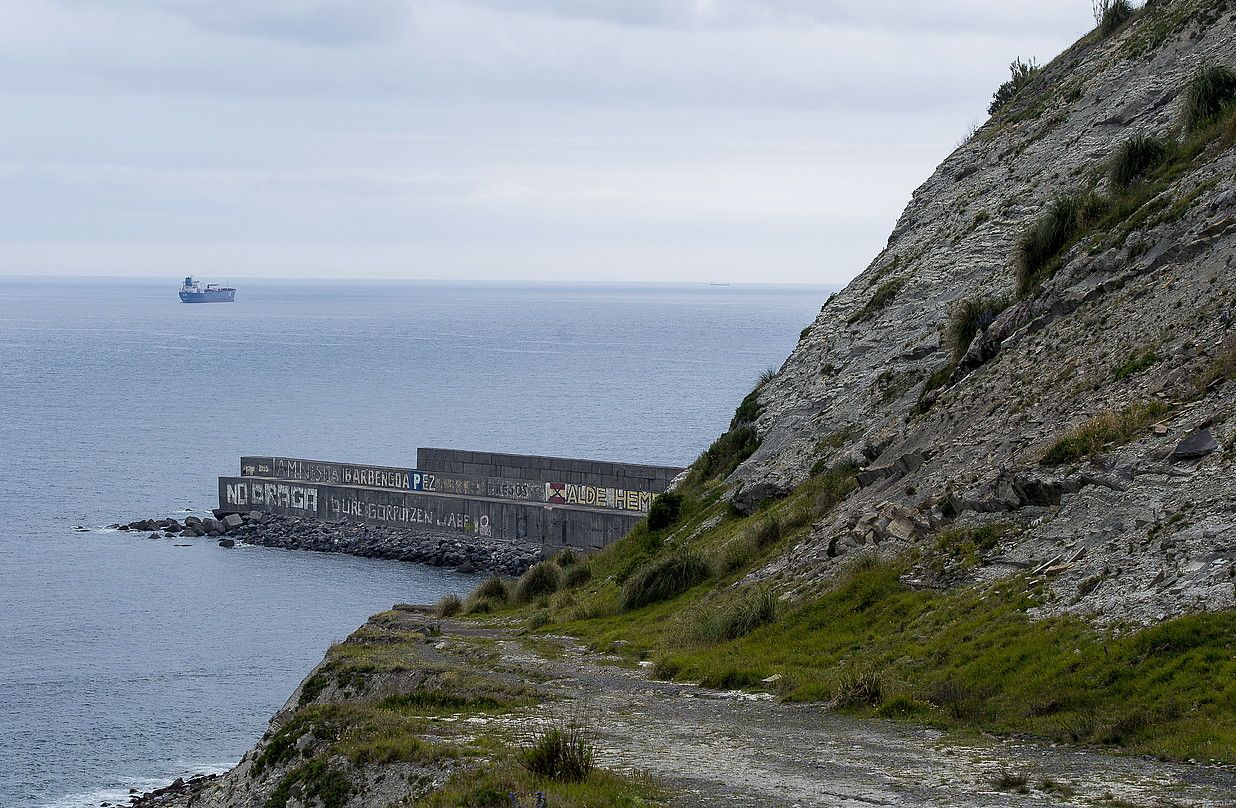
column 1211, row 90
column 543, row 579
column 1110, row 15
column 1021, row 74
column 664, row 511
column 662, row 578
column 1135, row 158
column 725, row 453
column 970, row 316
column 1062, row 222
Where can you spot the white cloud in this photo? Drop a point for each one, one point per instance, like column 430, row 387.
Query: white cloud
column 498, row 137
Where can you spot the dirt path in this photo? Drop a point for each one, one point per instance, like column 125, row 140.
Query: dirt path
column 728, row 748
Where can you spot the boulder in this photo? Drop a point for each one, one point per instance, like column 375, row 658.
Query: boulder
column 1195, row 446
column 256, row 517
column 232, row 521
column 227, row 542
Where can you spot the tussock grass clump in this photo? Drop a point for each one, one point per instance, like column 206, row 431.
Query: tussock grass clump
column 735, row 618
column 663, row 578
column 566, row 558
column 1021, row 73
column 448, row 606
column 725, row 453
column 542, row 579
column 577, row 575
column 733, row 555
column 664, row 511
column 563, row 753
column 1016, row 782
column 1136, row 157
column 1109, row 428
column 969, row 317
column 1111, row 15
column 1211, row 90
column 493, row 588
column 858, row 687
column 1065, row 218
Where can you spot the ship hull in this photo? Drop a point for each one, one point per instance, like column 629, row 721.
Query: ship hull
column 211, row 296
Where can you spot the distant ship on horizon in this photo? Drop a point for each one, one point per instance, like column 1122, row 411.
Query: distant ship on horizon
column 193, row 292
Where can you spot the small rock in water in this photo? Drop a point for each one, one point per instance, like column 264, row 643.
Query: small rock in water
column 227, row 542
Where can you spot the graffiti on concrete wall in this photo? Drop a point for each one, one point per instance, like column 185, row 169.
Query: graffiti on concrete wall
column 274, row 495
column 477, row 487
column 597, row 497
column 348, row 507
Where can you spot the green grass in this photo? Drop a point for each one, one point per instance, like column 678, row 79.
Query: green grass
column 539, row 581
column 663, row 578
column 1135, row 363
column 488, row 787
column 1111, row 428
column 972, row 657
column 1061, row 225
column 1210, row 92
column 1112, row 15
column 970, row 316
column 1135, row 158
column 564, row 752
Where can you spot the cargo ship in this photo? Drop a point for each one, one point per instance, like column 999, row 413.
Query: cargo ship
column 193, row 292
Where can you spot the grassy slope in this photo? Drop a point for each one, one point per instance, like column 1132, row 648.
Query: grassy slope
column 970, row 657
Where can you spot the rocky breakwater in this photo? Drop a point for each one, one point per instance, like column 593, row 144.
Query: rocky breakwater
column 436, row 548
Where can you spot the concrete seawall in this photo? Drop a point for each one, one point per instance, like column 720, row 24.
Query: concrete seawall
column 542, row 502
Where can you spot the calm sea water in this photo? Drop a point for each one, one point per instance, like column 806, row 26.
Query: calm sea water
column 126, row 661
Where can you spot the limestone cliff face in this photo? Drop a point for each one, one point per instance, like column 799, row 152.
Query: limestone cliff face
column 1129, row 533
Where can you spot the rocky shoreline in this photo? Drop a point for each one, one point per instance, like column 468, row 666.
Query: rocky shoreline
column 435, row 548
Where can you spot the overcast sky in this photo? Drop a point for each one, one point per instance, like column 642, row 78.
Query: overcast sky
column 736, row 140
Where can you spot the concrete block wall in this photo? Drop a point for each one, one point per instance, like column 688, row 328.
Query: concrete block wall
column 531, row 524
column 601, row 473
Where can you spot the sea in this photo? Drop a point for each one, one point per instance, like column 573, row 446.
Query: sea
column 127, row 661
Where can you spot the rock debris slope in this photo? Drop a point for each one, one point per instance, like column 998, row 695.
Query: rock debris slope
column 1132, row 328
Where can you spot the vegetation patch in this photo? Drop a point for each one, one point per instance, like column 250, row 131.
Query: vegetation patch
column 731, row 617
column 970, row 316
column 1112, row 428
column 663, row 578
column 490, row 787
column 564, row 752
column 1210, row 93
column 883, row 295
column 664, row 511
column 541, row 580
column 1135, row 158
column 1062, row 223
column 1021, row 73
column 1135, row 363
column 1111, row 15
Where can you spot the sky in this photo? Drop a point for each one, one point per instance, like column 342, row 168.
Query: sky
column 591, row 140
